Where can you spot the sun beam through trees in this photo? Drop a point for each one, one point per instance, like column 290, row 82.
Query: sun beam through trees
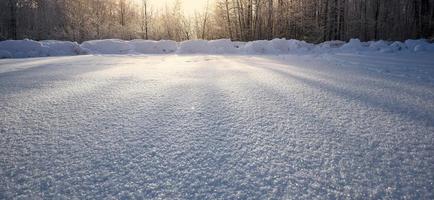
column 243, row 20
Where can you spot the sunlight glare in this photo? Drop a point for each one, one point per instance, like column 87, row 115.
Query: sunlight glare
column 190, row 7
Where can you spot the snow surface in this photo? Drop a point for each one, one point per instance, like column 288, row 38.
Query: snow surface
column 30, row 48
column 329, row 126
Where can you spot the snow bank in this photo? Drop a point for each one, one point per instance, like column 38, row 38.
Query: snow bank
column 153, row 47
column 30, row 48
column 331, row 44
column 193, row 47
column 398, row 46
column 5, row 54
column 62, row 48
column 277, row 46
column 22, row 49
column 381, row 46
column 259, row 47
column 111, row 46
column 223, row 46
column 353, row 45
column 419, row 45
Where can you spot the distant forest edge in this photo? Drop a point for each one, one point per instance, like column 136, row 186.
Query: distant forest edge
column 240, row 20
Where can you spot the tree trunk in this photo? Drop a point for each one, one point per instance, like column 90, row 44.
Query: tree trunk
column 205, row 19
column 241, row 20
column 257, row 24
column 327, row 21
column 377, row 15
column 13, row 20
column 270, row 19
column 145, row 7
column 228, row 19
column 249, row 21
column 280, row 26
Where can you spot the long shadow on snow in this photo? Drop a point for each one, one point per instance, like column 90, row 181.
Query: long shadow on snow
column 333, row 146
column 42, row 74
column 408, row 112
column 361, row 76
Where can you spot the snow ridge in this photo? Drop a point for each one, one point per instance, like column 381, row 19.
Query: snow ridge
column 30, row 48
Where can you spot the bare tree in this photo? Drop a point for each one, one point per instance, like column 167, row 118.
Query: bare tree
column 311, row 20
column 13, row 19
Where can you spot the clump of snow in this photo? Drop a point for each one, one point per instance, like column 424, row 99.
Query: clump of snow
column 5, row 54
column 381, row 46
column 411, row 44
column 283, row 46
column 331, row 44
column 238, row 44
column 23, row 48
column 353, row 45
column 419, row 48
column 398, row 46
column 300, row 46
column 328, row 46
column 153, row 47
column 62, row 48
column 419, row 45
column 259, row 47
column 193, row 47
column 280, row 45
column 110, row 46
column 222, row 46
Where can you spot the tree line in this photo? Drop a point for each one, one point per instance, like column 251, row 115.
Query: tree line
column 241, row 20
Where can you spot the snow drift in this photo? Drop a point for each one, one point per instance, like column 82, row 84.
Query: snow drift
column 29, row 48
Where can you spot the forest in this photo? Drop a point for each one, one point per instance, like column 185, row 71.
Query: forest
column 240, row 20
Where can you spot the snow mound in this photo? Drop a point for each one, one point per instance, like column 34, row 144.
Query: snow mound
column 23, row 49
column 381, row 46
column 223, row 46
column 398, row 46
column 30, row 48
column 328, row 46
column 419, row 45
column 300, row 46
column 281, row 45
column 259, row 47
column 194, row 47
column 239, row 45
column 353, row 45
column 110, row 46
column 331, row 44
column 62, row 48
column 5, row 54
column 154, row 47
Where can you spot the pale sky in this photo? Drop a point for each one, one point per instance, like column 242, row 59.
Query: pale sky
column 189, row 6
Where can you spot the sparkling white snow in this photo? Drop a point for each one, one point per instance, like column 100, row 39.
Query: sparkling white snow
column 30, row 48
column 316, row 126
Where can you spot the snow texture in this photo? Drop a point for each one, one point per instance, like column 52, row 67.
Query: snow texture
column 30, row 48
column 327, row 126
column 154, row 47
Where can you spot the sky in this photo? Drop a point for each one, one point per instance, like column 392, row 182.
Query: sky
column 189, row 6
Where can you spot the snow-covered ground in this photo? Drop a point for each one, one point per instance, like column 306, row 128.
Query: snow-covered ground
column 315, row 126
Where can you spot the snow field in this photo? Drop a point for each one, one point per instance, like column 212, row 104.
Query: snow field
column 30, row 48
column 333, row 126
